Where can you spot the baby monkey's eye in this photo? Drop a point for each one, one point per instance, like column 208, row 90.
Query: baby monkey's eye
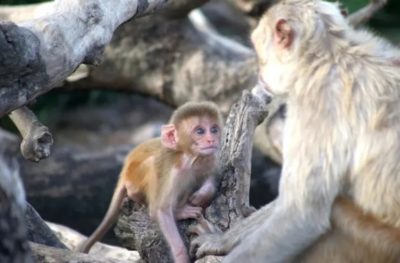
column 200, row 131
column 214, row 129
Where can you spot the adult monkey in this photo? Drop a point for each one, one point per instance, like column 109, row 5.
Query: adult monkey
column 338, row 198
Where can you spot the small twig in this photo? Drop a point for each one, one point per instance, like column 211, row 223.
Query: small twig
column 364, row 14
column 36, row 138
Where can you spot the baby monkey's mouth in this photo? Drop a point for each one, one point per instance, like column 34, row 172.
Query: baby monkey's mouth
column 209, row 148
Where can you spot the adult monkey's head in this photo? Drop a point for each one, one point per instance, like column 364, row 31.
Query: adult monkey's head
column 290, row 36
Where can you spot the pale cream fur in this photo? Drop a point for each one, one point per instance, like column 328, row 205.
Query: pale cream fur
column 341, row 139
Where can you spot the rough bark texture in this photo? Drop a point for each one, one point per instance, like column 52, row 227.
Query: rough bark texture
column 236, row 152
column 136, row 231
column 37, row 55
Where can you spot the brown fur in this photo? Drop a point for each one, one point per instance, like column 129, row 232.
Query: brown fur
column 355, row 236
column 171, row 174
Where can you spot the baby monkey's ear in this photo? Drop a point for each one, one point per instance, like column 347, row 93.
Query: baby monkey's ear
column 169, row 138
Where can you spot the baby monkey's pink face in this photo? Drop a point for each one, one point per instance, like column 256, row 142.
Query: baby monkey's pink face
column 205, row 135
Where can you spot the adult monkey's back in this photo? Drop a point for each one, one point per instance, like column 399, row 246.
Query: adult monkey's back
column 339, row 198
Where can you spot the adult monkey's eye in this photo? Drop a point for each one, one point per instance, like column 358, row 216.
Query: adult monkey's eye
column 200, row 131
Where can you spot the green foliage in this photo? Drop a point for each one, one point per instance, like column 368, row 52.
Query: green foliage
column 385, row 23
column 352, row 5
column 19, row 2
column 50, row 107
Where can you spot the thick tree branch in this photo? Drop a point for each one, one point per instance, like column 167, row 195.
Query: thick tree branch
column 179, row 61
column 72, row 238
column 37, row 55
column 243, row 119
column 26, row 12
column 36, row 138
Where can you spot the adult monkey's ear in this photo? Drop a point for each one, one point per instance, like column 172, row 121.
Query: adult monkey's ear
column 283, row 34
column 169, row 137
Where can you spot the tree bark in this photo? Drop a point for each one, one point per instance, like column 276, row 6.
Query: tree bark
column 37, row 55
column 180, row 60
column 236, row 152
column 71, row 238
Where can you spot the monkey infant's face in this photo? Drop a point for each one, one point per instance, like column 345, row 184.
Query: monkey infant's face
column 205, row 134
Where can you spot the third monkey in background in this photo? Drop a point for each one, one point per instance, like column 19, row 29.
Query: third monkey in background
column 173, row 175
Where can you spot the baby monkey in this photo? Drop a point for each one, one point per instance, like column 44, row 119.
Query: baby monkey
column 173, row 175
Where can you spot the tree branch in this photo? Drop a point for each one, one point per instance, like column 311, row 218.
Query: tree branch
column 37, row 55
column 36, row 138
column 180, row 60
column 236, row 151
column 72, row 238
